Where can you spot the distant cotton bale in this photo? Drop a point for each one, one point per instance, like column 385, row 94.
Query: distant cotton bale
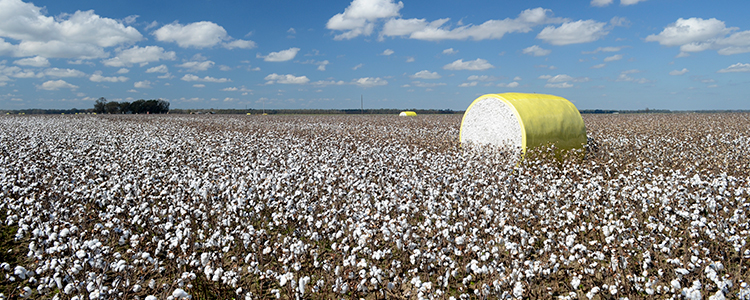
column 523, row 121
column 407, row 114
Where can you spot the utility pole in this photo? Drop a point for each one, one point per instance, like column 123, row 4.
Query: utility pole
column 362, row 103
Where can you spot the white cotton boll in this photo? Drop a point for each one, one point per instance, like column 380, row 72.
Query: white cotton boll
column 27, row 292
column 81, row 254
column 68, row 288
column 137, row 288
column 518, row 289
column 217, row 274
column 91, row 286
column 152, row 284
column 675, row 284
column 575, row 282
column 94, row 294
column 592, row 292
column 718, row 296
column 151, row 297
column 180, row 293
column 303, row 284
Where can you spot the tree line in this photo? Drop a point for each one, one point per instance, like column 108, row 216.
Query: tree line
column 141, row 106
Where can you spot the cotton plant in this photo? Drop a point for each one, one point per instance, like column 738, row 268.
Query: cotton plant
column 180, row 207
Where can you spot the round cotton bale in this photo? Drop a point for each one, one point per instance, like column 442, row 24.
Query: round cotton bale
column 523, row 121
column 407, row 114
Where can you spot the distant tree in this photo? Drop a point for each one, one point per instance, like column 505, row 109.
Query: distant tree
column 124, row 107
column 112, row 107
column 100, row 105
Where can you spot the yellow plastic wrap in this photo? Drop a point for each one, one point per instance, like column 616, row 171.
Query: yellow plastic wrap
column 542, row 119
column 407, row 114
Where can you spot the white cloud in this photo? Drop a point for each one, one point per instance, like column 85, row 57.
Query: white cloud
column 629, row 2
column 468, row 84
column 360, row 17
column 198, row 35
column 512, row 84
column 678, row 72
column 517, row 78
column 536, row 51
column 738, row 67
column 357, row 67
column 601, row 3
column 54, row 85
column 239, row 44
column 283, row 55
column 199, row 85
column 82, row 34
column 123, row 71
column 142, row 84
column 562, row 85
column 696, row 34
column 450, row 51
column 197, row 66
column 473, row 65
column 158, row 69
column 236, row 89
column 328, row 82
column 387, row 52
column 426, row 84
column 560, row 78
column 36, row 61
column 139, row 55
column 613, row 58
column 55, row 72
column 689, row 31
column 322, row 65
column 599, row 66
column 424, row 74
column 368, row 82
column 97, row 77
column 482, row 78
column 225, row 68
column 410, row 59
column 421, row 29
column 582, row 31
column 286, row 79
column 191, row 77
column 604, row 49
column 623, row 77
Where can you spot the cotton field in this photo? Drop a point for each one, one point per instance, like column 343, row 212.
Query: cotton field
column 373, row 207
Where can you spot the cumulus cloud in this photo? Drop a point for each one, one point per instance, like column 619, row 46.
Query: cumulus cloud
column 473, row 65
column 145, row 84
column 191, row 77
column 468, row 84
column 55, row 72
column 387, row 52
column 321, row 64
column 54, row 85
column 601, row 3
column 81, row 35
column 357, row 67
column 424, row 74
column 360, row 16
column 97, row 77
column 196, row 66
column 421, row 29
column 139, row 55
column 738, row 67
column 36, row 61
column 613, row 58
column 123, row 71
column 604, row 49
column 239, row 44
column 536, row 51
column 696, row 34
column 286, row 79
column 582, row 31
column 198, row 35
column 629, row 2
column 599, row 66
column 509, row 85
column 242, row 89
column 283, row 55
column 158, row 69
column 450, row 51
column 564, row 78
column 368, row 82
column 678, row 72
column 623, row 77
column 482, row 78
column 562, row 85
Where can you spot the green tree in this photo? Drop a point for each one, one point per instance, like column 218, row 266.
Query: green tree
column 100, row 105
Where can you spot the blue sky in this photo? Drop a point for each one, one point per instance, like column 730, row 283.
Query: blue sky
column 609, row 54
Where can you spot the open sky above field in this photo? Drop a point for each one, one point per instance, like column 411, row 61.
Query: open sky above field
column 611, row 54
